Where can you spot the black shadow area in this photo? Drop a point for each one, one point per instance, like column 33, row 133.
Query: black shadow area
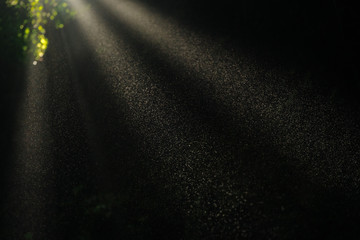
column 12, row 87
column 12, row 78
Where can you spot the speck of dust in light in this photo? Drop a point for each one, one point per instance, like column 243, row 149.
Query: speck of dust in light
column 34, row 63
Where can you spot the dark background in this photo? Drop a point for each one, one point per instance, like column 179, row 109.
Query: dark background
column 317, row 37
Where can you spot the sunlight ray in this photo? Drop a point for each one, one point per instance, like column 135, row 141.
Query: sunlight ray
column 285, row 115
column 31, row 170
column 197, row 172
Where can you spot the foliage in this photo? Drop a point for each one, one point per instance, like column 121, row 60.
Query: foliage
column 11, row 45
column 36, row 15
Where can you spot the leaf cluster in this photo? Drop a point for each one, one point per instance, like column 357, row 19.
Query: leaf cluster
column 36, row 15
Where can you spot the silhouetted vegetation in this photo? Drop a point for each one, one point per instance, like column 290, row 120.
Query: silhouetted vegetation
column 24, row 26
column 11, row 44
